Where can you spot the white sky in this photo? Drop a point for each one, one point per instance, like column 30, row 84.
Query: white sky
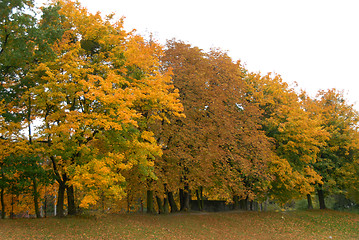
column 312, row 42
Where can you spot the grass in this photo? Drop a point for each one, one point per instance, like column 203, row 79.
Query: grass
column 315, row 224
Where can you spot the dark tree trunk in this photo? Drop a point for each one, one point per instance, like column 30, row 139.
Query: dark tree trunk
column 321, row 198
column 60, row 200
column 29, row 119
column 199, row 194
column 12, row 207
column 181, row 198
column 165, row 205
column 186, row 199
column 235, row 202
column 310, row 203
column 128, row 203
column 2, row 204
column 244, row 204
column 71, row 208
column 150, row 208
column 159, row 204
column 251, row 205
column 172, row 202
column 45, row 205
column 36, row 197
column 199, row 200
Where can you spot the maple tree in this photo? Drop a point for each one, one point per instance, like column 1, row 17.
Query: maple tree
column 95, row 97
column 338, row 159
column 298, row 136
column 14, row 35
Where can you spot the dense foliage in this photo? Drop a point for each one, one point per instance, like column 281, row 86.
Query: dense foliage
column 94, row 117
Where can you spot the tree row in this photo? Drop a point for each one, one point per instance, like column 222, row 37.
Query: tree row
column 94, row 117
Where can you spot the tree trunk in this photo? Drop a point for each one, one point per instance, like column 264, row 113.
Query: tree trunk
column 36, row 197
column 321, row 198
column 310, row 203
column 235, row 202
column 60, row 200
column 128, row 203
column 251, row 205
column 165, row 205
column 244, row 204
column 12, row 207
column 199, row 200
column 150, row 208
column 159, row 204
column 265, row 205
column 29, row 119
column 181, row 198
column 172, row 202
column 201, row 196
column 45, row 204
column 2, row 204
column 71, row 206
column 186, row 199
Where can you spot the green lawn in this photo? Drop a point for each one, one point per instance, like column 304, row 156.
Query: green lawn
column 228, row 225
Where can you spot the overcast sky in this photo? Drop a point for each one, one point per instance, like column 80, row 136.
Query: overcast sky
column 312, row 42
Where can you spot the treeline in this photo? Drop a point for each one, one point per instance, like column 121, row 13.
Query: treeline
column 94, row 117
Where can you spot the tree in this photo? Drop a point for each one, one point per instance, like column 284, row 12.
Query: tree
column 337, row 163
column 91, row 101
column 24, row 43
column 297, row 135
column 26, row 176
column 210, row 150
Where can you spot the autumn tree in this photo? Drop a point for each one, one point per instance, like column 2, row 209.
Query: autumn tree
column 297, row 135
column 93, row 100
column 338, row 159
column 16, row 27
column 211, row 150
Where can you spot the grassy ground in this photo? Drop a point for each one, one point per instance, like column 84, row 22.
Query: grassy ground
column 228, row 225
